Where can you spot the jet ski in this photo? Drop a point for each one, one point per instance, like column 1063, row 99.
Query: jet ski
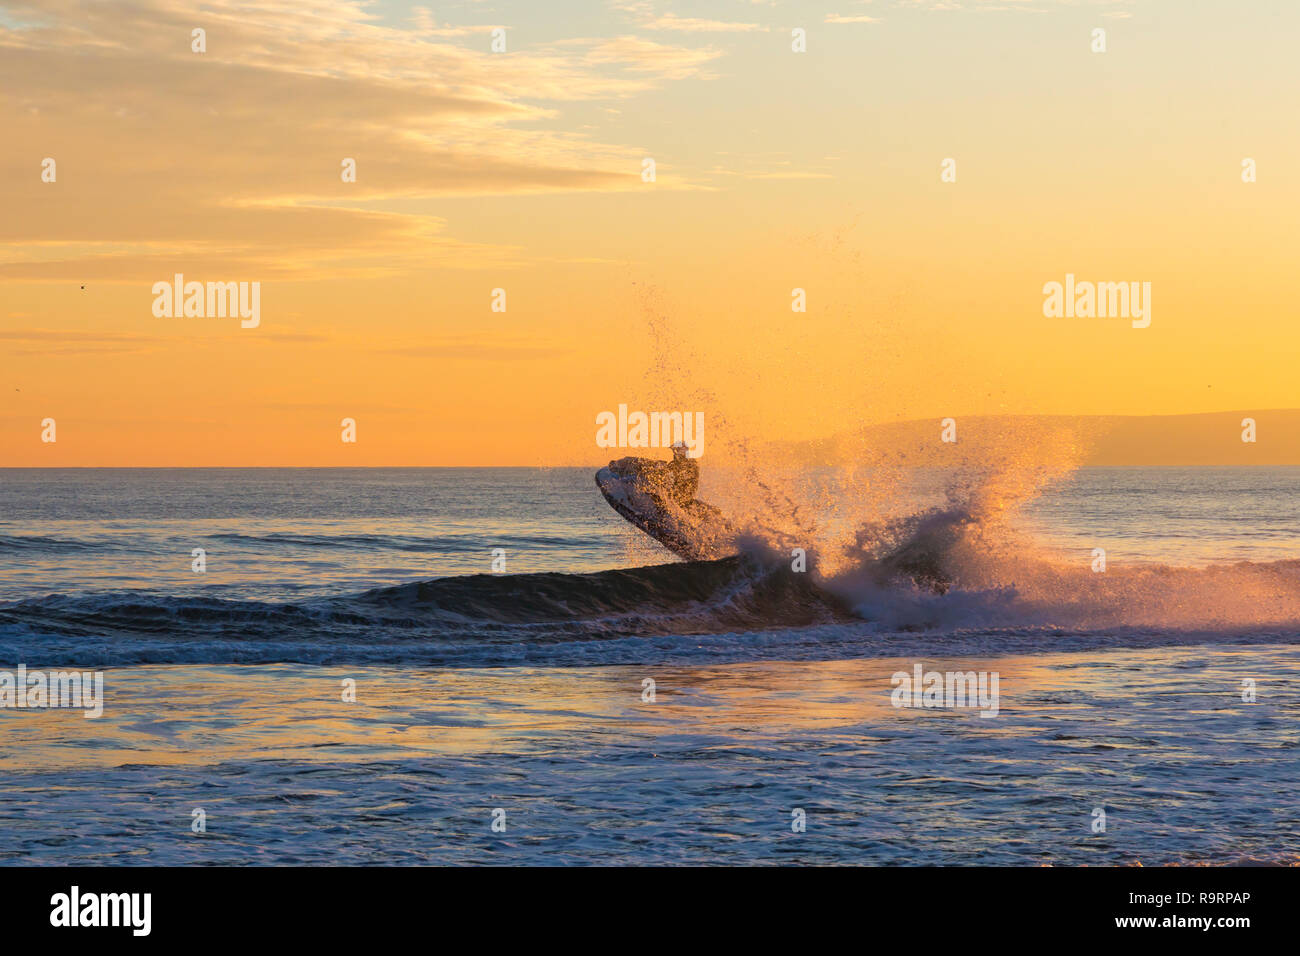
column 637, row 488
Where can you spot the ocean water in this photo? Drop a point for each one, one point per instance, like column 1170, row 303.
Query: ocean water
column 522, row 695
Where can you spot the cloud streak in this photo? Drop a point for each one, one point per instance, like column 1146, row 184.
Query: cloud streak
column 232, row 157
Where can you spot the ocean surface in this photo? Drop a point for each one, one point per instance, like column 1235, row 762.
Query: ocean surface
column 520, row 656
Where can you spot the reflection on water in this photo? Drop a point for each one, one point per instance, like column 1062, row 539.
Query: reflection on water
column 709, row 772
column 1118, row 691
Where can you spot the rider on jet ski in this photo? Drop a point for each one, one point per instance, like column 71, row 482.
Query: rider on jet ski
column 658, row 497
column 683, row 475
column 675, row 481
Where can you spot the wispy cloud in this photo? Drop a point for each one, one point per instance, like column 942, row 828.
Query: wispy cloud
column 461, row 347
column 230, row 158
column 670, row 21
column 70, row 342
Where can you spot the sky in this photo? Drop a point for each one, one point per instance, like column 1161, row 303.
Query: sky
column 522, row 170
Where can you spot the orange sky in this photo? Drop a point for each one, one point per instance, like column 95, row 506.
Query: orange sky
column 522, row 170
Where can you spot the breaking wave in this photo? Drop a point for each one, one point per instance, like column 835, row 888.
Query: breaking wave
column 935, row 589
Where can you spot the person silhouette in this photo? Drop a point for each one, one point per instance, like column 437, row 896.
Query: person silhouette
column 683, row 475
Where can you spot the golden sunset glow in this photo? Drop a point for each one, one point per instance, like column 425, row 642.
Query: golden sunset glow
column 522, row 170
